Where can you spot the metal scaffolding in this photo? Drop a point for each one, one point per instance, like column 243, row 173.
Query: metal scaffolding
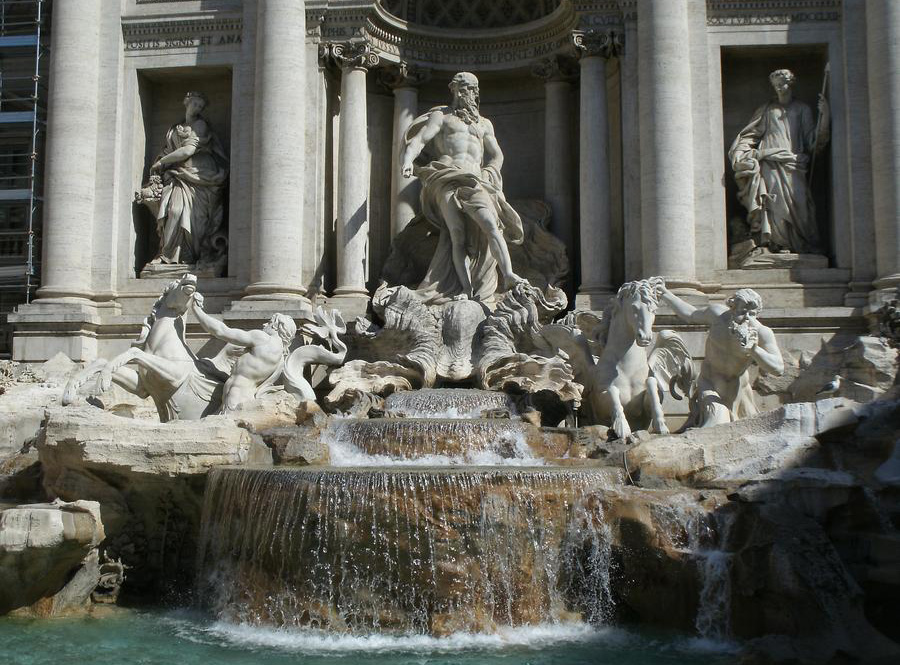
column 23, row 93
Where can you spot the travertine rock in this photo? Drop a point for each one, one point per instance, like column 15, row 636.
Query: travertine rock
column 84, row 437
column 41, row 545
column 148, row 477
column 297, row 445
column 744, row 449
column 865, row 365
column 278, row 409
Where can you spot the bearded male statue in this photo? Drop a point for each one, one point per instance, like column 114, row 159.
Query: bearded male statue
column 462, row 195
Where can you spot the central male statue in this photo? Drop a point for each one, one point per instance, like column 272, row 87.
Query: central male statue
column 462, row 195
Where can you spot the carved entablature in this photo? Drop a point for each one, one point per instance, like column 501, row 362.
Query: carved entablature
column 219, row 32
column 396, row 40
column 770, row 12
column 599, row 15
column 442, row 44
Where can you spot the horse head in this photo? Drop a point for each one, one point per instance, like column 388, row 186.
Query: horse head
column 177, row 295
column 636, row 302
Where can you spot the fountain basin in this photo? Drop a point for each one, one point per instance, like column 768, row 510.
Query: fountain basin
column 476, row 441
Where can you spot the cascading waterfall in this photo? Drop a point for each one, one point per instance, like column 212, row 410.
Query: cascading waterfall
column 714, row 611
column 713, row 620
column 427, row 551
column 446, row 403
column 435, row 442
column 437, row 427
column 702, row 537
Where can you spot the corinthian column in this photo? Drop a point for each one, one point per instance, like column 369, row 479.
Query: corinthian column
column 596, row 216
column 71, row 150
column 667, row 152
column 404, row 82
column 883, row 39
column 279, row 155
column 558, row 163
column 354, row 58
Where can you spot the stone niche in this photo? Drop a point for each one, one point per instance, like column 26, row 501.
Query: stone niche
column 515, row 106
column 746, row 87
column 161, row 95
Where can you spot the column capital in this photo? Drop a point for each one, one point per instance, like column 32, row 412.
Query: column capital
column 591, row 43
column 554, row 68
column 402, row 75
column 353, row 54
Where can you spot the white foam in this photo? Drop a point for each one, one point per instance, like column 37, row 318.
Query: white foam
column 311, row 641
column 343, row 453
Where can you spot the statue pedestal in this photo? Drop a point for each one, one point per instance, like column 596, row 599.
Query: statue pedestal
column 175, row 270
column 747, row 256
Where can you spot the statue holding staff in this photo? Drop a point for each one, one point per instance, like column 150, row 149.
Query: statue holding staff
column 771, row 159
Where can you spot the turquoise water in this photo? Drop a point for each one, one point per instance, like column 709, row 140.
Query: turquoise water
column 184, row 638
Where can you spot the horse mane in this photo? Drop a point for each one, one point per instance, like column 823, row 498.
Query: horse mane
column 645, row 289
column 148, row 322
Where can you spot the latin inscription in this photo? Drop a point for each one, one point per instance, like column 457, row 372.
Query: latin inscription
column 184, row 41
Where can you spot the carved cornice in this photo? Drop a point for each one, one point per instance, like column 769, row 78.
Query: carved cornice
column 606, row 44
column 555, row 68
column 770, row 12
column 499, row 48
column 403, row 75
column 353, row 54
column 520, row 45
column 192, row 32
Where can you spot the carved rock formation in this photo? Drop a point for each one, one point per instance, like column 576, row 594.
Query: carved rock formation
column 48, row 556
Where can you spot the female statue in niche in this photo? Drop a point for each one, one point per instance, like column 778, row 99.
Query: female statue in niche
column 771, row 159
column 185, row 194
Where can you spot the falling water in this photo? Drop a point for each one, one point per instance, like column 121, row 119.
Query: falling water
column 701, row 537
column 432, row 442
column 447, row 403
column 713, row 620
column 714, row 611
column 421, row 551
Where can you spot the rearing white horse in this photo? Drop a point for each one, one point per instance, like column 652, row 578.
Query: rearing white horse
column 183, row 386
column 625, row 385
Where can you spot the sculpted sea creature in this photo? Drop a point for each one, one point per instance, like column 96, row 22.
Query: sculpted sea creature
column 625, row 386
column 327, row 326
column 183, row 386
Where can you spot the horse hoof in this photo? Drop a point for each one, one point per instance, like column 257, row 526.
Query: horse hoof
column 621, row 428
column 658, row 427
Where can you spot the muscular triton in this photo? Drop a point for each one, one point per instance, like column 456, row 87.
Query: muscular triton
column 262, row 361
column 736, row 340
column 462, row 187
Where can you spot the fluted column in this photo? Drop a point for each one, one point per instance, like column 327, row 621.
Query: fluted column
column 558, row 162
column 354, row 58
column 883, row 48
column 667, row 150
column 279, row 155
column 404, row 82
column 71, row 161
column 595, row 210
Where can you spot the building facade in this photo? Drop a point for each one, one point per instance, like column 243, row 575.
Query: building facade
column 621, row 115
